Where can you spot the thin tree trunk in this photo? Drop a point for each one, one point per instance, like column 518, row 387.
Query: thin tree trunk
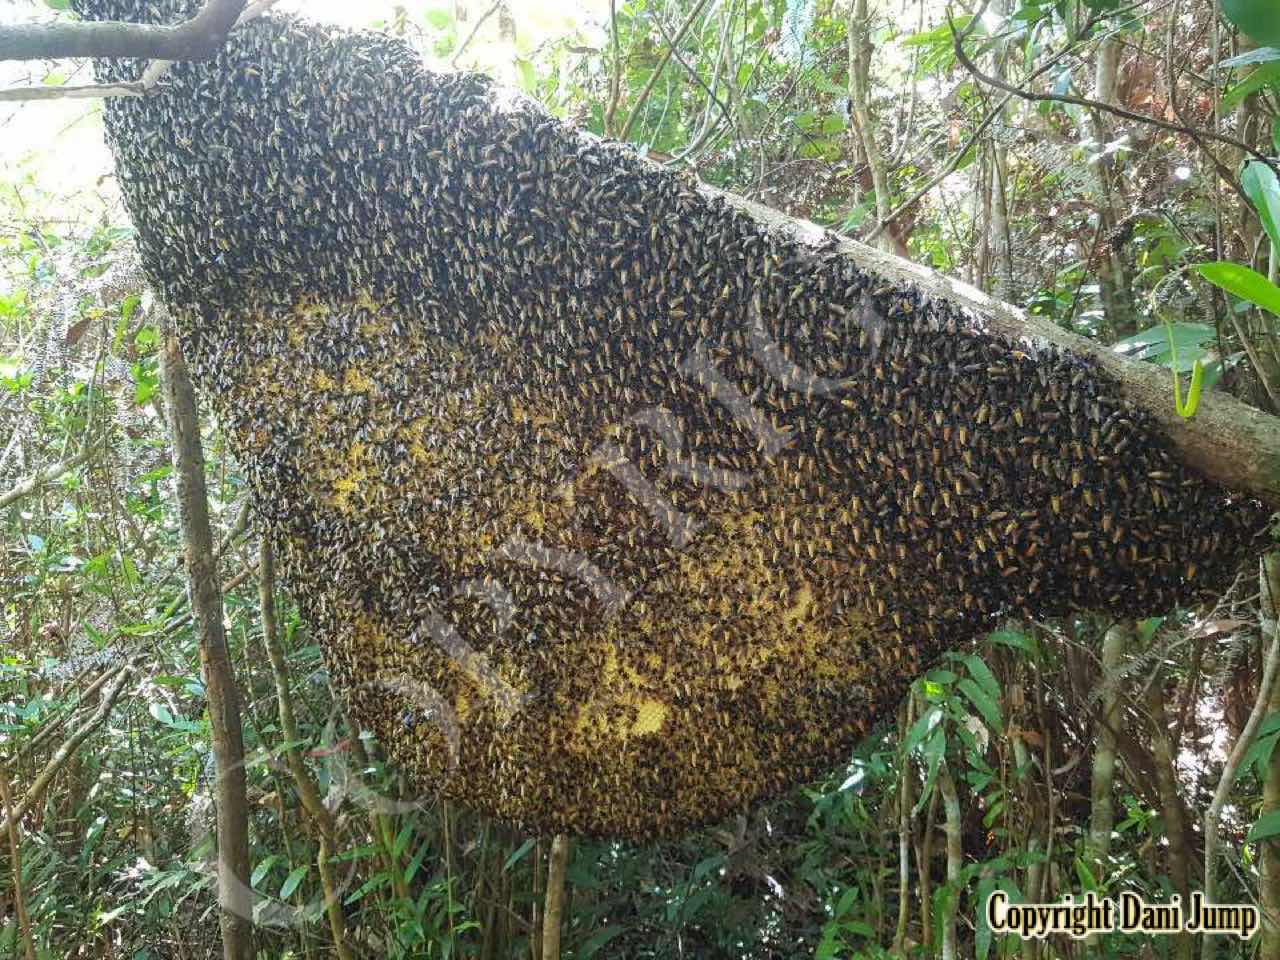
column 558, row 863
column 1269, row 884
column 955, row 854
column 860, row 49
column 1102, row 810
column 998, row 226
column 1113, row 281
column 234, row 894
column 304, row 783
column 904, row 840
column 15, row 861
column 924, row 861
column 1172, row 807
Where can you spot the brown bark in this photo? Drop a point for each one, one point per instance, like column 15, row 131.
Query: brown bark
column 15, row 862
column 1171, row 806
column 199, row 38
column 234, row 895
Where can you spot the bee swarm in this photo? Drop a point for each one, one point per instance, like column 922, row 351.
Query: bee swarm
column 615, row 510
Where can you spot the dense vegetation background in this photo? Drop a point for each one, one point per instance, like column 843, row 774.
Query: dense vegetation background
column 1096, row 161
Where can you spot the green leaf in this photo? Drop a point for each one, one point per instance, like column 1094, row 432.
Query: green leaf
column 1260, row 19
column 161, row 713
column 986, row 706
column 1015, row 639
column 519, row 854
column 1085, row 875
column 262, row 869
column 292, row 880
column 1157, row 344
column 1268, row 825
column 982, row 673
column 598, row 940
column 1259, row 183
column 921, row 728
column 1263, row 75
column 1242, row 282
column 1258, row 756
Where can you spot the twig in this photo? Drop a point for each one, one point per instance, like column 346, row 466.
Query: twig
column 69, row 747
column 47, row 475
column 474, row 30
column 968, row 64
column 634, row 115
column 89, row 91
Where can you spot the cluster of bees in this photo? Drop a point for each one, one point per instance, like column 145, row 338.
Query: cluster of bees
column 615, row 510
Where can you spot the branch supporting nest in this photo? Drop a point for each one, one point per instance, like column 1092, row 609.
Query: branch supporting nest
column 199, row 38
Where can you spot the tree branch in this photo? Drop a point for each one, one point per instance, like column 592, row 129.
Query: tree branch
column 69, row 747
column 47, row 475
column 199, row 38
column 968, row 64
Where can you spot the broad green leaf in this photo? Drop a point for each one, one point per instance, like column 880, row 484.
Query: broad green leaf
column 1155, row 344
column 1259, row 183
column 924, row 723
column 1270, row 724
column 1015, row 639
column 292, row 880
column 1242, row 282
column 597, row 940
column 982, row 673
column 1263, row 75
column 161, row 713
column 986, row 706
column 1268, row 825
column 262, row 869
column 1258, row 756
column 1260, row 19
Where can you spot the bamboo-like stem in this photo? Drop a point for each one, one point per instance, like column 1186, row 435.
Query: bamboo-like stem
column 557, row 864
column 904, row 837
column 955, row 854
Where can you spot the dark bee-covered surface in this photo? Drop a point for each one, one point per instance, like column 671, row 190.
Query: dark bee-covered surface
column 616, row 511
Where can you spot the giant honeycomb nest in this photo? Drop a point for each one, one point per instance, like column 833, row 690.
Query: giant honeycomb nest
column 616, row 510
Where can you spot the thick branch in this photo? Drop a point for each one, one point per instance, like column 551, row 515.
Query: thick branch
column 199, row 38
column 1228, row 442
